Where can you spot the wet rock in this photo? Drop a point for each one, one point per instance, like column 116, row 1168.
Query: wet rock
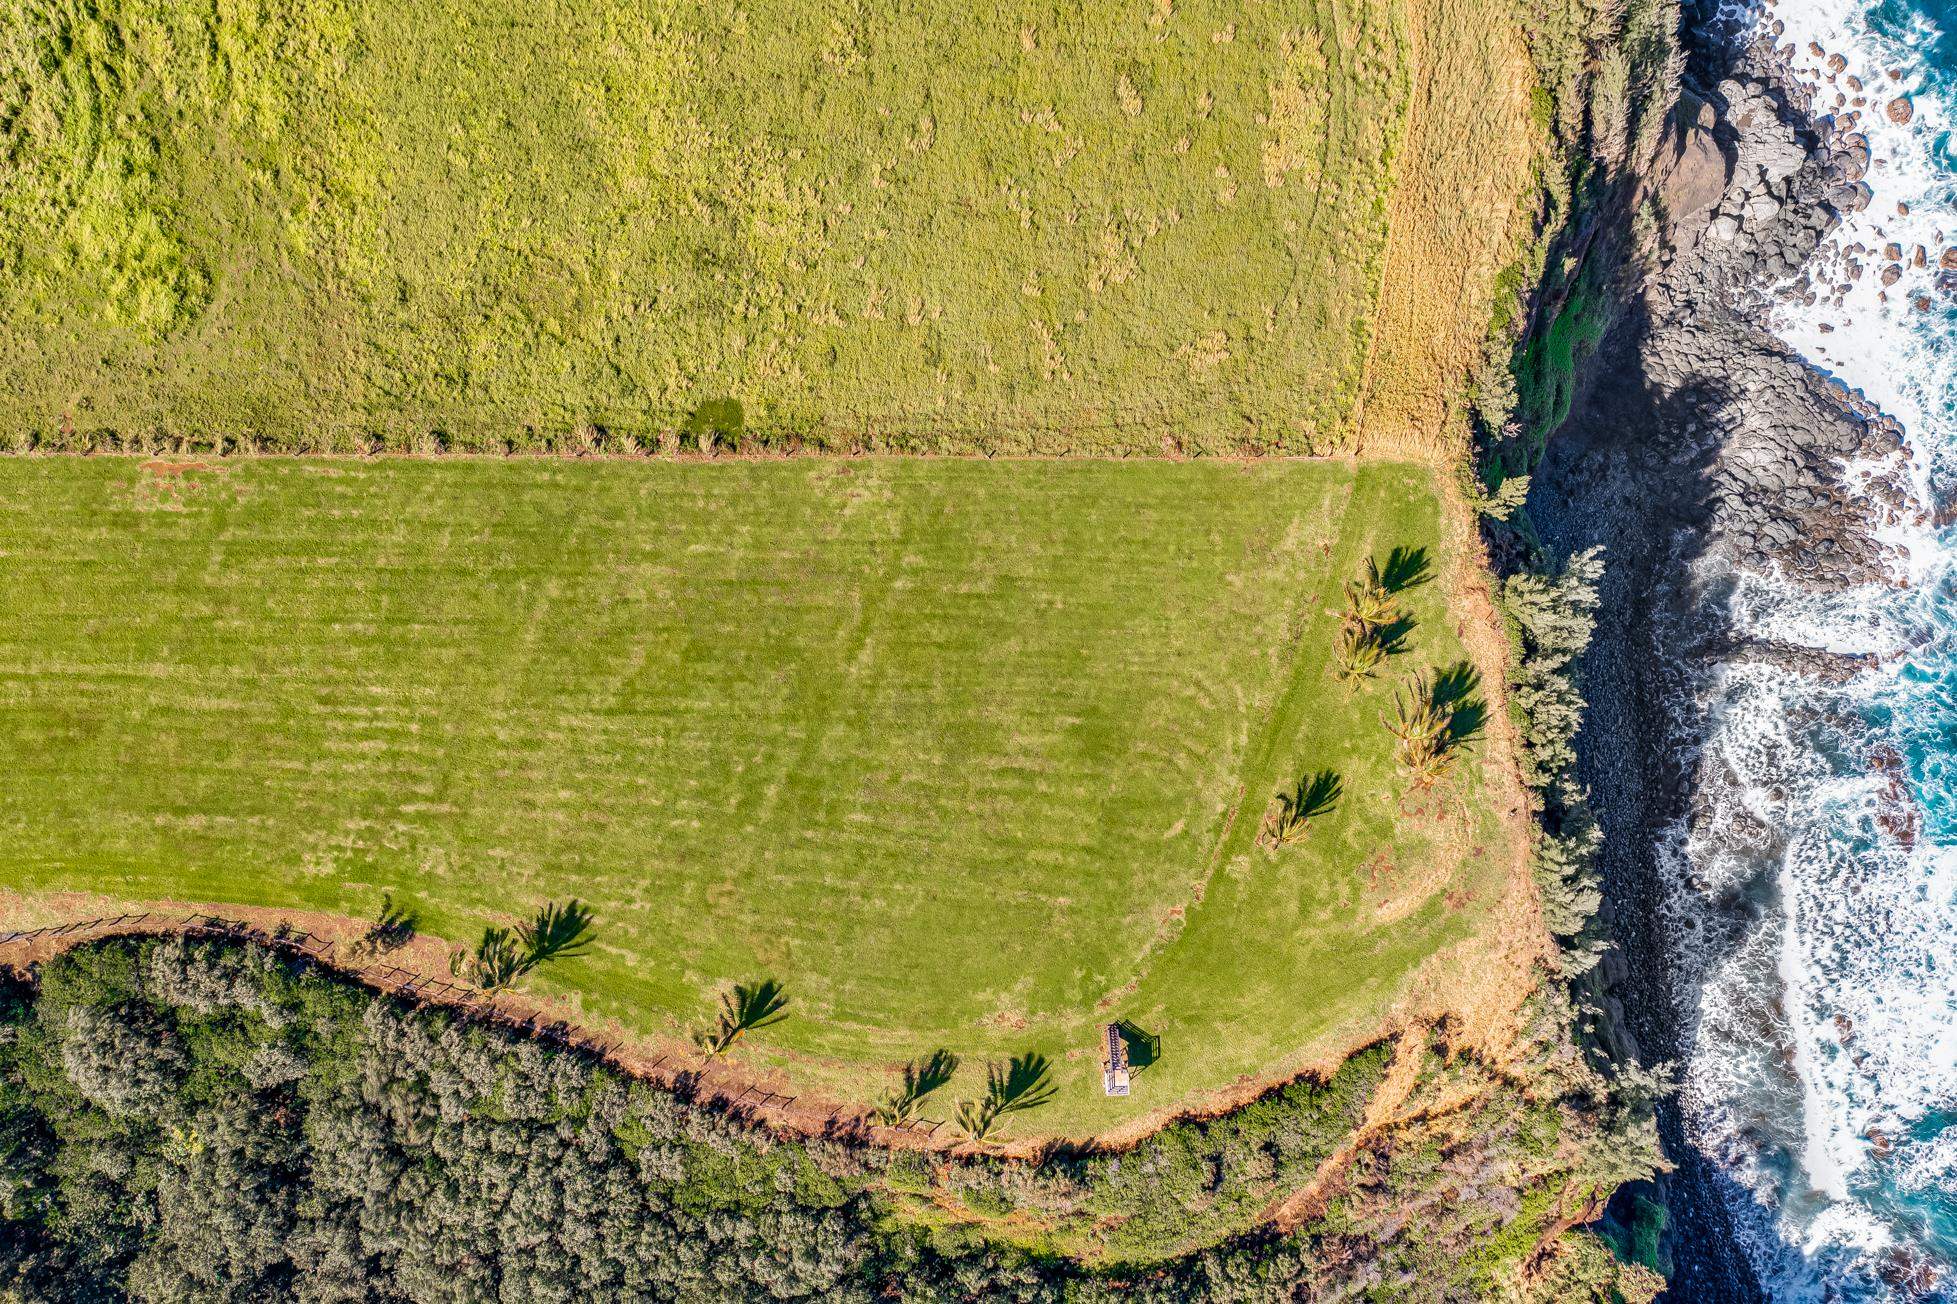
column 1891, row 274
column 1900, row 110
column 1808, row 662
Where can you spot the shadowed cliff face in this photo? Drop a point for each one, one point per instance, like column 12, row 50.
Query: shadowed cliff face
column 1702, row 446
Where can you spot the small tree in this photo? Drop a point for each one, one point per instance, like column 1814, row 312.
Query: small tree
column 742, row 1011
column 1025, row 1082
column 498, row 961
column 1357, row 655
column 1368, row 601
column 1315, row 795
column 1421, row 723
column 921, row 1078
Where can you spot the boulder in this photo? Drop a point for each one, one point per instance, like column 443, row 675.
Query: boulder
column 1724, row 228
column 1770, row 151
column 1900, row 110
column 1693, row 169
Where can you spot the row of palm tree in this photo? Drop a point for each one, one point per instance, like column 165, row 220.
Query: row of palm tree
column 1021, row 1083
column 504, row 955
column 1431, row 718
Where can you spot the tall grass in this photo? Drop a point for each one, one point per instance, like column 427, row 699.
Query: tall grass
column 325, row 225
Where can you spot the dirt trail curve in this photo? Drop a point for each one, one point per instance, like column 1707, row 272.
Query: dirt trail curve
column 413, row 972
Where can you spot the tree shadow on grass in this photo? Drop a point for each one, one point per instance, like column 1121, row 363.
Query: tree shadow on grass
column 393, row 928
column 1392, row 637
column 1457, row 695
column 1319, row 794
column 1406, row 568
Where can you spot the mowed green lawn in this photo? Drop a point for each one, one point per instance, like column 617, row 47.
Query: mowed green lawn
column 1032, row 224
column 966, row 753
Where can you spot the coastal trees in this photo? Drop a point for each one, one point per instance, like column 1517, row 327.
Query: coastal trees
column 1552, row 616
column 413, row 1154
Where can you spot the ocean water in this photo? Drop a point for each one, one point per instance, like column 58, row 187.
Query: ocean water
column 1814, row 889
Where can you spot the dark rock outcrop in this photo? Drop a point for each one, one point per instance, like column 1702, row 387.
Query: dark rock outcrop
column 1704, row 445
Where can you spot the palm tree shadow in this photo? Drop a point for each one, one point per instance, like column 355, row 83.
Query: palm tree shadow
column 924, row 1078
column 1025, row 1083
column 1455, row 685
column 1456, row 694
column 1318, row 794
column 1392, row 638
column 1406, row 568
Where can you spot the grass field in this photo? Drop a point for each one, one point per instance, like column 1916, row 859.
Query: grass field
column 966, row 753
column 1113, row 226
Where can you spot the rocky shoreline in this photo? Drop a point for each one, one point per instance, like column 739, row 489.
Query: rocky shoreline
column 1704, row 447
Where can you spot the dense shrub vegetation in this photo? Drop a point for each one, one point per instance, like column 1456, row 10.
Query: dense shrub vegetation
column 204, row 1120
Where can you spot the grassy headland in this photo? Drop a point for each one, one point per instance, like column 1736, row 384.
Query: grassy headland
column 968, row 754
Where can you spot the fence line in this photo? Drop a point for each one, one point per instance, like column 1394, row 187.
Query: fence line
column 390, row 979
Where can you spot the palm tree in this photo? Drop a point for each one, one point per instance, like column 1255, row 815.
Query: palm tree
column 1368, row 601
column 741, row 1012
column 921, row 1078
column 498, row 962
column 1421, row 723
column 1025, row 1082
column 976, row 1118
column 1357, row 654
column 1315, row 795
column 557, row 933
